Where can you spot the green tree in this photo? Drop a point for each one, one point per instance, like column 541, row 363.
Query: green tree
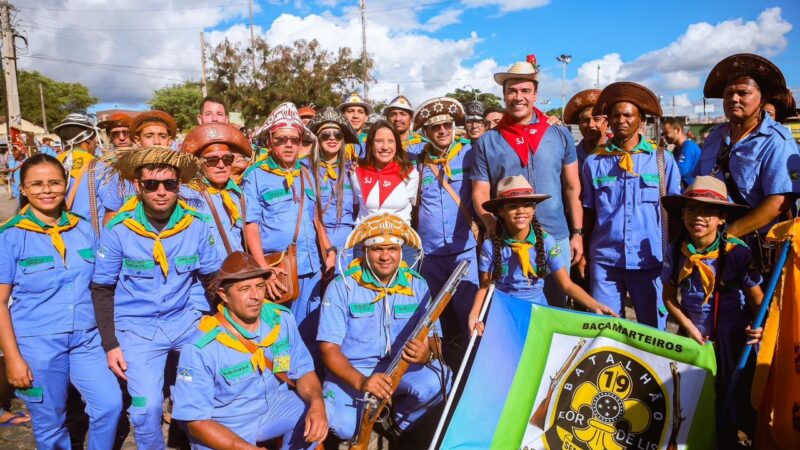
column 60, row 98
column 555, row 112
column 182, row 101
column 302, row 73
column 465, row 96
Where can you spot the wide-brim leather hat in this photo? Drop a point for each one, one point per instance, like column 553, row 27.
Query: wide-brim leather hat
column 580, row 101
column 154, row 117
column 705, row 189
column 438, row 110
column 330, row 116
column 208, row 134
column 306, row 111
column 770, row 79
column 116, row 120
column 239, row 266
column 626, row 91
column 514, row 188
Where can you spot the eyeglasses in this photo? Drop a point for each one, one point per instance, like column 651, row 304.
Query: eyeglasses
column 281, row 141
column 170, row 185
column 37, row 187
column 325, row 135
column 121, row 133
column 476, row 123
column 213, row 161
column 446, row 126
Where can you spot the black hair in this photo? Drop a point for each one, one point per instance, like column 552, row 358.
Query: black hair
column 497, row 242
column 493, row 109
column 35, row 160
column 155, row 167
column 212, row 99
column 719, row 284
column 674, row 122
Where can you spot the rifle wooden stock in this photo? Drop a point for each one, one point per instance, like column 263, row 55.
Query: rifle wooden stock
column 677, row 414
column 537, row 419
column 373, row 407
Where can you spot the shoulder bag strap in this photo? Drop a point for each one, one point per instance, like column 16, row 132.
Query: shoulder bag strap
column 302, row 201
column 443, row 179
column 249, row 345
column 94, row 213
column 243, row 212
column 74, row 191
column 662, row 190
column 723, row 163
column 223, row 233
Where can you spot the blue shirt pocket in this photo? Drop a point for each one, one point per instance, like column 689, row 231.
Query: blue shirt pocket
column 361, row 326
column 186, row 263
column 36, row 264
column 138, row 275
column 87, row 254
column 277, row 207
column 238, row 373
column 406, row 309
column 607, row 190
column 649, row 188
column 31, row 395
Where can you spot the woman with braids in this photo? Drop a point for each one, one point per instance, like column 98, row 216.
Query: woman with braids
column 520, row 253
column 331, row 169
column 48, row 333
column 712, row 307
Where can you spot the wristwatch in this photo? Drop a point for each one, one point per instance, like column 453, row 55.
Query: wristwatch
column 332, row 248
column 578, row 231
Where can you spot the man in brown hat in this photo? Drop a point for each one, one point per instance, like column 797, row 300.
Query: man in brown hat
column 593, row 128
column 622, row 181
column 118, row 127
column 153, row 128
column 524, row 143
column 233, row 383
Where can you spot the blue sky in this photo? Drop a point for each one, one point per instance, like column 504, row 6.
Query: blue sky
column 428, row 47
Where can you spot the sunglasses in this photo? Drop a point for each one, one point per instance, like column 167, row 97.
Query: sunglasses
column 170, row 185
column 325, row 135
column 446, row 126
column 281, row 141
column 122, row 133
column 213, row 161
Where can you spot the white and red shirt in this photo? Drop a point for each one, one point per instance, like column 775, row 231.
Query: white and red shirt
column 385, row 190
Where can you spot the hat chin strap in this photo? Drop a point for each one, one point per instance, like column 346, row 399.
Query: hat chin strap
column 372, row 272
column 452, row 140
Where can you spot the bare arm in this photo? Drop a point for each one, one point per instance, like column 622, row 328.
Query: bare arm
column 252, row 235
column 761, row 215
column 481, row 190
column 477, row 304
column 17, row 370
column 215, row 435
column 378, row 384
column 310, row 390
column 571, row 181
column 574, row 291
column 670, row 294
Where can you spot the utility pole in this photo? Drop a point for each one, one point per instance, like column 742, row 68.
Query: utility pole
column 363, row 6
column 598, row 77
column 9, row 56
column 203, row 87
column 252, row 41
column 673, row 106
column 564, row 60
column 44, row 111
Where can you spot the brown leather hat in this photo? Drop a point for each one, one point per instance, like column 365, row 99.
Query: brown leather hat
column 216, row 133
column 306, row 111
column 239, row 266
column 154, row 117
column 626, row 91
column 769, row 78
column 578, row 103
column 116, row 120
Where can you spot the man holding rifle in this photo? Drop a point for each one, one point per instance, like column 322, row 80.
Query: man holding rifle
column 367, row 317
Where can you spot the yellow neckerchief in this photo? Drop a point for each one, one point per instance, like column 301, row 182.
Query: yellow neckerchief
column 137, row 222
column 27, row 221
column 257, row 359
column 271, row 166
column 330, row 171
column 350, row 153
column 695, row 259
column 364, row 278
column 455, row 149
column 626, row 161
column 80, row 160
column 522, row 250
column 227, row 201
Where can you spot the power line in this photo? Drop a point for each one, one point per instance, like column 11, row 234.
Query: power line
column 115, row 11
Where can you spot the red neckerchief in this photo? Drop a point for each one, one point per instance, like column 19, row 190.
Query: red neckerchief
column 388, row 179
column 523, row 137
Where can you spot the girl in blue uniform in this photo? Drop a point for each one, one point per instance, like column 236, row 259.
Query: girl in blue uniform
column 48, row 333
column 338, row 206
column 520, row 253
column 712, row 307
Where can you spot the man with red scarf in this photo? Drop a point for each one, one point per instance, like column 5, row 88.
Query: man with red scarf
column 524, row 143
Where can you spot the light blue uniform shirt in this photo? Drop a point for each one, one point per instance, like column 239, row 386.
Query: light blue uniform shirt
column 337, row 228
column 219, row 383
column 627, row 228
column 274, row 207
column 512, row 281
column 104, row 190
column 14, row 176
column 49, row 296
column 766, row 162
column 47, row 150
column 414, row 146
column 233, row 231
column 145, row 300
column 442, row 226
column 495, row 160
column 369, row 332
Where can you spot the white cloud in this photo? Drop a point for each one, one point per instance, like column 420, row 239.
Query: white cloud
column 447, row 17
column 507, row 5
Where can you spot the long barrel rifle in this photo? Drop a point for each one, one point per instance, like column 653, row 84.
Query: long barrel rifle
column 373, row 406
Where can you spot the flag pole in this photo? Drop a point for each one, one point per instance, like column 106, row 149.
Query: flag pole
column 758, row 322
column 460, row 374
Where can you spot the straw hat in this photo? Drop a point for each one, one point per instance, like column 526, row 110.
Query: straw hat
column 705, row 189
column 126, row 160
column 154, row 117
column 769, row 78
column 578, row 103
column 626, row 91
column 399, row 102
column 513, row 189
column 355, row 100
column 523, row 70
column 382, row 228
column 330, row 116
column 216, row 133
column 438, row 110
